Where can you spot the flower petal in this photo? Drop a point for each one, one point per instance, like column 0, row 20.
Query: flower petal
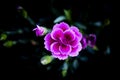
column 56, row 26
column 75, row 42
column 47, row 45
column 91, row 40
column 48, row 37
column 55, row 48
column 65, row 49
column 48, row 41
column 68, row 36
column 75, row 51
column 56, row 34
column 84, row 42
column 77, row 32
column 64, row 26
column 39, row 30
column 60, row 56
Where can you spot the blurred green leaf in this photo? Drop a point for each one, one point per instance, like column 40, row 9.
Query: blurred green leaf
column 80, row 25
column 95, row 48
column 68, row 15
column 64, row 69
column 46, row 30
column 19, row 31
column 24, row 13
column 84, row 58
column 97, row 24
column 64, row 72
column 108, row 50
column 75, row 64
column 49, row 67
column 65, row 66
column 9, row 44
column 31, row 21
column 107, row 22
column 33, row 42
column 59, row 19
column 90, row 50
column 3, row 37
column 46, row 59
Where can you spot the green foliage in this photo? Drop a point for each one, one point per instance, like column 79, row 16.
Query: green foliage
column 25, row 15
column 64, row 69
column 59, row 19
column 3, row 37
column 9, row 43
column 46, row 59
column 67, row 14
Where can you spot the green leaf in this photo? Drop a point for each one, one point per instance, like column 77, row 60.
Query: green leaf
column 68, row 15
column 90, row 50
column 107, row 22
column 84, row 58
column 9, row 44
column 108, row 50
column 80, row 25
column 24, row 13
column 97, row 24
column 75, row 64
column 59, row 19
column 64, row 73
column 64, row 69
column 3, row 37
column 95, row 48
column 46, row 59
column 65, row 66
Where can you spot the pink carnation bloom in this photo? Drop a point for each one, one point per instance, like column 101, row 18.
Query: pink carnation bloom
column 63, row 41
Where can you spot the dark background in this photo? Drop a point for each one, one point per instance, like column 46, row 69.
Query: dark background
column 99, row 65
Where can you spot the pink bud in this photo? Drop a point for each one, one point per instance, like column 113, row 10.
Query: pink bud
column 39, row 30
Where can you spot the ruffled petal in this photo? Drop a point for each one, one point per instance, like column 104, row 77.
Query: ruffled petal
column 64, row 26
column 84, row 42
column 77, row 32
column 56, row 34
column 47, row 45
column 55, row 48
column 65, row 49
column 48, row 41
column 68, row 36
column 75, row 51
column 60, row 56
column 48, row 37
column 75, row 42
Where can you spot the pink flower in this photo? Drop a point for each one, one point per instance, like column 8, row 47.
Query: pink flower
column 84, row 42
column 63, row 41
column 89, row 40
column 39, row 30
